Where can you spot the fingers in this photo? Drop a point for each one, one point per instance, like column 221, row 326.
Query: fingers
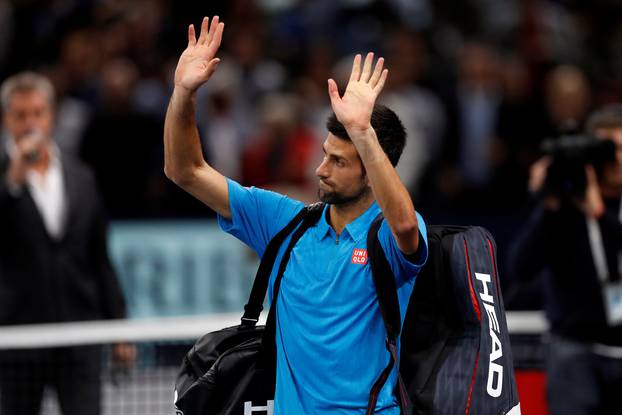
column 211, row 67
column 212, row 29
column 210, row 34
column 356, row 69
column 203, row 33
column 380, row 84
column 373, row 81
column 367, row 67
column 333, row 91
column 217, row 37
column 192, row 38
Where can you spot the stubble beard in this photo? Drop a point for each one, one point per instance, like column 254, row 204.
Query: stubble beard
column 341, row 199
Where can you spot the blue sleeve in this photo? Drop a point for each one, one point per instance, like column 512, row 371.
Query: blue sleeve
column 402, row 267
column 257, row 215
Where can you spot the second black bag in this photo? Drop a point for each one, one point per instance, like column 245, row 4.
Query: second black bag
column 455, row 355
column 224, row 373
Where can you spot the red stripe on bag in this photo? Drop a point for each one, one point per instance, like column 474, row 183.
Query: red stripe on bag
column 473, row 297
column 468, row 404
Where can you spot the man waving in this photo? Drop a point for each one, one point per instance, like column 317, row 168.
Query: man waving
column 330, row 334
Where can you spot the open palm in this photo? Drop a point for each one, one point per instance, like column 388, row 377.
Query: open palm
column 354, row 109
column 198, row 62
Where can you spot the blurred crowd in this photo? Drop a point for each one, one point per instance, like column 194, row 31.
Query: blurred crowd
column 478, row 83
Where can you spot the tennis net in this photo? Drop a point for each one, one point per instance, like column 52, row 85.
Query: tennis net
column 52, row 353
column 145, row 387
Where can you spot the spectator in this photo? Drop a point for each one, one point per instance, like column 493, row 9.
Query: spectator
column 54, row 263
column 577, row 239
column 567, row 99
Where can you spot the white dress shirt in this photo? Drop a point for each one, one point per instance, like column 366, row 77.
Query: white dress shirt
column 47, row 191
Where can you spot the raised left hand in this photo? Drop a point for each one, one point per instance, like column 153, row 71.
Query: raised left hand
column 199, row 62
column 354, row 109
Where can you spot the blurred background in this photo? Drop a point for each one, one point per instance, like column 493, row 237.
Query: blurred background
column 479, row 85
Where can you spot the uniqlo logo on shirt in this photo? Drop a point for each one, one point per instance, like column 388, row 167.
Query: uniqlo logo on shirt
column 359, row 256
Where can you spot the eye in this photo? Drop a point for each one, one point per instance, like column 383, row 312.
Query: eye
column 340, row 162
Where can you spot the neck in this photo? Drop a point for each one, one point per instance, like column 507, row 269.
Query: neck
column 341, row 215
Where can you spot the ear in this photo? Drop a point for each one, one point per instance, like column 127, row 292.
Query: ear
column 364, row 176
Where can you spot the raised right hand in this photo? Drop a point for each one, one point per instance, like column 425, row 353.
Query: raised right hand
column 198, row 62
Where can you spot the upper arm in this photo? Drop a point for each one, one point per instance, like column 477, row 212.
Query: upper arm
column 405, row 266
column 210, row 187
column 407, row 240
column 256, row 215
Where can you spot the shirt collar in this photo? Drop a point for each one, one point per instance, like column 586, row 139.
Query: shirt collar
column 357, row 229
column 323, row 228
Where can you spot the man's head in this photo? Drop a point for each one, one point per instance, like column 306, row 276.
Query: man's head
column 343, row 179
column 606, row 123
column 27, row 100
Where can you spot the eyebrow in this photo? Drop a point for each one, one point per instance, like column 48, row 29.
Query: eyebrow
column 338, row 156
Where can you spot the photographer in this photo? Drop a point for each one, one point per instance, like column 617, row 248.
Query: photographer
column 575, row 235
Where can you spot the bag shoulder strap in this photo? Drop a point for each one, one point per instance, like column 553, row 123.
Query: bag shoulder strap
column 384, row 280
column 268, row 349
column 386, row 289
column 254, row 306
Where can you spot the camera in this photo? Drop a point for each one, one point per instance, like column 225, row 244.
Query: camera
column 570, row 154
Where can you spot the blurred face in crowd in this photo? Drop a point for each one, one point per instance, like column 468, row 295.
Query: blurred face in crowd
column 612, row 172
column 342, row 177
column 28, row 111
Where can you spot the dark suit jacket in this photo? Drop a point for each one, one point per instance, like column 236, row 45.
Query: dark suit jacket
column 46, row 280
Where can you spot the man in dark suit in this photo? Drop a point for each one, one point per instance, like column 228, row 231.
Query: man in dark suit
column 54, row 263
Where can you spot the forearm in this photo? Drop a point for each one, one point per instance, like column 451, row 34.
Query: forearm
column 389, row 191
column 182, row 148
column 183, row 158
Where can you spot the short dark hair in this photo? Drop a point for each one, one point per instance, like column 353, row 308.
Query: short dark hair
column 389, row 129
column 609, row 116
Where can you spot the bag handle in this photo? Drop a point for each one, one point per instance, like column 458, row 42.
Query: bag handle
column 386, row 289
column 254, row 306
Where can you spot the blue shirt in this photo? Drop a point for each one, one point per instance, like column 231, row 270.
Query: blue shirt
column 330, row 335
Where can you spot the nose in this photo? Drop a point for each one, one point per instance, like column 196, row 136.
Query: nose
column 322, row 169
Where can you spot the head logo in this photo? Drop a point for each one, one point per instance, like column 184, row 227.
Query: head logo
column 495, row 370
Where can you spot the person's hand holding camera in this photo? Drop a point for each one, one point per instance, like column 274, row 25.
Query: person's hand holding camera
column 591, row 204
column 537, row 181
